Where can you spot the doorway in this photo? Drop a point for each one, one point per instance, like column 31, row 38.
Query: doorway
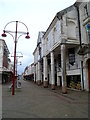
column 60, row 82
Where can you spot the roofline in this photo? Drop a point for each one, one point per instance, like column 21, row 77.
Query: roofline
column 59, row 15
column 35, row 50
column 64, row 11
column 50, row 25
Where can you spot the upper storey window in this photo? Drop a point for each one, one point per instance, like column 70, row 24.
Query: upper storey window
column 86, row 10
column 46, row 43
column 54, row 35
column 71, row 30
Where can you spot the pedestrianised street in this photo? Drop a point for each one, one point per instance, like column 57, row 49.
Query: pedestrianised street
column 33, row 101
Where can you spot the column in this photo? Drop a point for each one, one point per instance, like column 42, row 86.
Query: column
column 52, row 72
column 45, row 72
column 58, row 79
column 36, row 73
column 63, row 67
column 39, row 74
column 49, row 67
column 82, row 76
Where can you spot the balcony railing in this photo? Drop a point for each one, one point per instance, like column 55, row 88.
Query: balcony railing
column 72, row 67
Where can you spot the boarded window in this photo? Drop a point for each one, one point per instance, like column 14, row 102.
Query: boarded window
column 71, row 54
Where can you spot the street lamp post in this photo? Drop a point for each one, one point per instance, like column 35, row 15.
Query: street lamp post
column 21, row 33
column 17, row 56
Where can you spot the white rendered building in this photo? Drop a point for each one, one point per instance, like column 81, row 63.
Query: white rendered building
column 84, row 16
column 58, row 56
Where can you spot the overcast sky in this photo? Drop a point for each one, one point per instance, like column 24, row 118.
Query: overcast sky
column 36, row 14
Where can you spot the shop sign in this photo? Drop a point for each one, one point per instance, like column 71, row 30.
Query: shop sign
column 5, row 73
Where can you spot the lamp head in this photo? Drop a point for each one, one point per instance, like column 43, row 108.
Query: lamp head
column 27, row 36
column 4, row 34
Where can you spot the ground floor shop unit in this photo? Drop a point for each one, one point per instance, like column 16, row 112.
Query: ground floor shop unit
column 29, row 77
column 6, row 77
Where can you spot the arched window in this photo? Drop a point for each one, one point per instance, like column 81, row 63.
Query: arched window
column 71, row 30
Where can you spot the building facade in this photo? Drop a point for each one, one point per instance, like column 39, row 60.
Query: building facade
column 84, row 52
column 38, row 59
column 29, row 72
column 10, row 70
column 62, row 54
column 5, row 63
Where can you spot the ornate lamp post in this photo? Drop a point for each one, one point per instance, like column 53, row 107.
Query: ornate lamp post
column 17, row 56
column 20, row 34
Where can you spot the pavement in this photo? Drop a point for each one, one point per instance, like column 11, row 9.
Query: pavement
column 33, row 101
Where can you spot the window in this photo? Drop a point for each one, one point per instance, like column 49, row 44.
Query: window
column 71, row 54
column 86, row 11
column 46, row 43
column 47, row 40
column 49, row 61
column 39, row 50
column 59, row 60
column 54, row 35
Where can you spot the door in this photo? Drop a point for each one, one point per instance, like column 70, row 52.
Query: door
column 55, row 79
column 60, row 82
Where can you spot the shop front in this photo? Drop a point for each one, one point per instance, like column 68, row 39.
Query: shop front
column 4, row 77
column 7, row 76
column 74, row 82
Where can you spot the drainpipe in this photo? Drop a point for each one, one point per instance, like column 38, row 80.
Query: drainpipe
column 79, row 27
column 80, row 45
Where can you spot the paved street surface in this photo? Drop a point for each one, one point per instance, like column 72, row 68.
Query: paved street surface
column 33, row 101
column 0, row 101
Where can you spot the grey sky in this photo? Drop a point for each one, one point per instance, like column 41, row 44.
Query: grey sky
column 36, row 14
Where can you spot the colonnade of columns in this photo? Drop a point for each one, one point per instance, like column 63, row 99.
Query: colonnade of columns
column 52, row 72
column 45, row 71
